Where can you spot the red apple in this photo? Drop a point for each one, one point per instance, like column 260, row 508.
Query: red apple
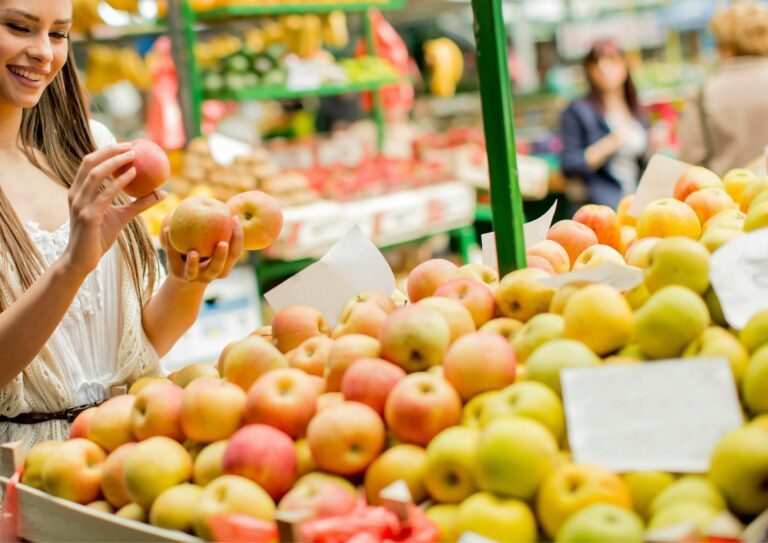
column 375, row 297
column 295, row 324
column 265, row 455
column 427, row 276
column 344, row 352
column 152, row 168
column 369, row 381
column 312, row 356
column 157, row 412
column 325, row 495
column 199, row 224
column 362, row 318
column 211, row 409
column 540, row 263
column 573, row 236
column 457, row 316
column 480, row 272
column 553, row 252
column 415, row 337
column 261, row 217
column 479, row 362
column 696, row 178
column 244, row 361
column 709, row 202
column 73, row 472
column 285, row 399
column 603, row 221
column 474, row 295
column 79, row 426
column 113, row 476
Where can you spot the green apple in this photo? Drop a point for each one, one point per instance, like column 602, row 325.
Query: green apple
column 496, row 518
column 450, row 464
column 755, row 333
column 758, row 200
column 645, row 486
column 715, row 238
column 714, row 307
column 231, row 494
column 695, row 512
column 691, row 488
column 600, row 317
column 757, row 217
column 174, row 509
column 716, row 341
column 537, row 331
column 528, row 399
column 739, row 468
column 474, row 410
column 637, row 296
column 132, row 511
column 602, row 523
column 514, row 455
column 670, row 319
column 678, row 261
column 445, row 517
column 633, row 351
column 545, row 363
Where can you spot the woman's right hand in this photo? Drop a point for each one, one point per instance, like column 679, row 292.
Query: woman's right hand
column 95, row 220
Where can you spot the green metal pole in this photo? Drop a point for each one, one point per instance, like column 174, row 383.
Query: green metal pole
column 378, row 112
column 498, row 118
column 182, row 21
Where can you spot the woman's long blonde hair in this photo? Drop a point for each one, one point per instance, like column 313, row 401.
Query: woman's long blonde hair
column 57, row 128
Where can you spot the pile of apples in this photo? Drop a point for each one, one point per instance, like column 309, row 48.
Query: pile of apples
column 454, row 390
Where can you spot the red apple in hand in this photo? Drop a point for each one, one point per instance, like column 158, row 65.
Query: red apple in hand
column 200, row 224
column 261, row 217
column 152, row 168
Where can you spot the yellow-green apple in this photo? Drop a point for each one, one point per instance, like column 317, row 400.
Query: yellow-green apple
column 79, row 426
column 637, row 296
column 375, row 297
column 152, row 168
column 475, row 409
column 479, row 272
column 666, row 218
column 231, row 494
column 546, row 362
column 35, row 460
column 362, row 318
column 174, row 508
column 444, row 516
column 687, row 489
column 540, row 329
column 514, row 456
column 755, row 385
column 503, row 326
column 304, row 457
column 263, row 331
column 678, row 261
column 572, row 487
column 248, row 359
column 265, row 455
column 715, row 310
column 559, row 299
column 553, row 253
column 759, row 200
column 694, row 179
column 600, row 317
column 187, row 374
column 110, row 426
column 295, row 324
column 211, row 409
column 755, row 333
column 457, row 316
column 153, row 466
column 415, row 337
column 427, row 276
column 669, row 320
column 369, row 381
column 209, row 462
column 731, row 219
column 200, row 224
column 572, row 236
column 344, row 352
column 736, row 181
column 707, row 203
column 312, row 356
column 622, row 211
column 450, row 464
column 540, row 263
column 261, row 217
column 113, row 476
column 596, row 255
column 752, row 190
column 602, row 522
column 345, row 438
column 521, row 296
column 132, row 511
column 644, row 486
column 402, row 462
column 639, row 253
column 632, row 350
column 715, row 238
column 474, row 295
column 142, row 382
column 470, row 374
column 157, row 412
column 496, row 518
column 603, row 221
column 698, row 514
column 757, row 217
column 628, row 237
column 285, row 399
column 421, row 406
column 101, row 505
column 715, row 341
column 527, row 399
column 325, row 495
column 73, row 471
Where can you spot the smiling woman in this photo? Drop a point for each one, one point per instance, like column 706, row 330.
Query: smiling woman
column 78, row 312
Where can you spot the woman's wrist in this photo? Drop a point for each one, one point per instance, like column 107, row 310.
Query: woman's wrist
column 184, row 286
column 69, row 266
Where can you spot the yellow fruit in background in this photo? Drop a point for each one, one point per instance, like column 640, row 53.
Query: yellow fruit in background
column 736, row 181
column 531, row 400
column 496, row 518
column 678, row 261
column 755, row 385
column 602, row 522
column 753, row 189
column 474, row 411
column 666, row 218
column 536, row 332
column 755, row 333
column 715, row 238
column 690, row 488
column 759, row 199
column 133, row 511
column 644, row 486
column 174, row 509
column 739, row 468
column 202, row 190
column 600, row 317
column 561, row 296
column 445, row 517
column 633, row 350
column 628, row 237
column 521, row 296
column 757, row 217
column 449, row 471
column 401, row 462
column 625, row 219
column 637, row 296
column 546, row 362
column 732, row 219
column 718, row 342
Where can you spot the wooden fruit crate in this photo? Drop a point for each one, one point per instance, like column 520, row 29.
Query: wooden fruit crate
column 42, row 517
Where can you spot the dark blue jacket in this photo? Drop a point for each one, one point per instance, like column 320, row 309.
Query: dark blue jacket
column 581, row 126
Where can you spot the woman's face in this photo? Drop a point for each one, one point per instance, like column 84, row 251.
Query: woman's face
column 610, row 72
column 34, row 44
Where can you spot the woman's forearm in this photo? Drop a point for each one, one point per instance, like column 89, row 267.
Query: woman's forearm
column 597, row 154
column 28, row 323
column 171, row 312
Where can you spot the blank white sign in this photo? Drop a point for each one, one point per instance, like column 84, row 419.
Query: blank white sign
column 664, row 415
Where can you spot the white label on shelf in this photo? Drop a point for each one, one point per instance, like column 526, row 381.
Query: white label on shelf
column 657, row 182
column 303, row 75
column 225, row 149
column 353, row 265
column 663, row 416
column 620, row 277
column 534, row 231
column 738, row 272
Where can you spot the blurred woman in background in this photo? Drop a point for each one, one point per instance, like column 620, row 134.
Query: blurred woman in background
column 605, row 141
column 726, row 124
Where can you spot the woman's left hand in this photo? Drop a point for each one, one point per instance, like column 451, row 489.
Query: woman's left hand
column 189, row 269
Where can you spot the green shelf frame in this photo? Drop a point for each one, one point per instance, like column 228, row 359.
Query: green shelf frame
column 229, row 12
column 282, row 93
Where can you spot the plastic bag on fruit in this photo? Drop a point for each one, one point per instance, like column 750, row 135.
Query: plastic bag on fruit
column 242, row 529
column 9, row 525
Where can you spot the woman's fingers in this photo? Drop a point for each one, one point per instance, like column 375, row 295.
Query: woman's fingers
column 98, row 174
column 175, row 260
column 235, row 248
column 112, row 189
column 192, row 266
column 96, row 158
column 213, row 268
column 129, row 211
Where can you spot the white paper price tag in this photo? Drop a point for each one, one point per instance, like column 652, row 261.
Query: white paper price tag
column 738, row 272
column 225, row 149
column 659, row 416
column 620, row 277
column 303, row 75
column 534, row 231
column 658, row 181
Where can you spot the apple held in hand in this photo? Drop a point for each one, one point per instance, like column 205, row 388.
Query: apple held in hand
column 152, row 168
column 199, row 224
column 261, row 217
